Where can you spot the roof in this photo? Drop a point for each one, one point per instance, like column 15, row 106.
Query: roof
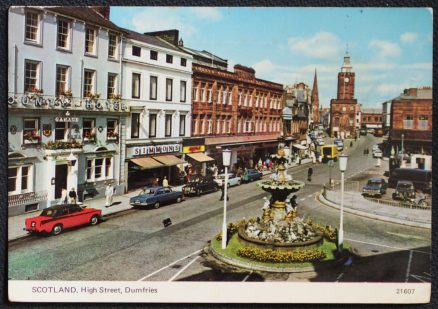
column 86, row 14
column 149, row 39
column 203, row 53
column 371, row 110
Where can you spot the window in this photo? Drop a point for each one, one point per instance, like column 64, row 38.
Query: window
column 89, row 169
column 98, row 168
column 135, row 86
column 209, row 91
column 202, row 94
column 90, row 41
column 31, row 75
column 112, row 46
column 31, row 134
column 32, row 30
column 153, row 88
column 89, row 130
column 182, row 125
column 63, row 36
column 423, row 122
column 408, row 122
column 135, row 125
column 108, row 167
column 112, row 129
column 209, row 126
column 169, row 84
column 168, row 131
column 182, row 91
column 183, row 62
column 61, row 131
column 136, row 51
column 195, row 94
column 19, row 179
column 111, row 85
column 169, row 58
column 154, row 55
column 61, row 79
column 89, row 77
column 152, row 125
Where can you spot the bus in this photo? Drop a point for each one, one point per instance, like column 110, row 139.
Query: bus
column 329, row 152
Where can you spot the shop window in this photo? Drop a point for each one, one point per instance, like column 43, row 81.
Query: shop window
column 89, row 129
column 135, row 125
column 168, row 128
column 153, row 87
column 182, row 125
column 112, row 129
column 152, row 125
column 31, row 133
column 32, row 27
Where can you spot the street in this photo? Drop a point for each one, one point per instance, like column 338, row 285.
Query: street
column 134, row 245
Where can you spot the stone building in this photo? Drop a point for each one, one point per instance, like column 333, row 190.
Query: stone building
column 344, row 109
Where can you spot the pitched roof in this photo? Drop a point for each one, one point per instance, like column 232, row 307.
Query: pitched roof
column 203, row 53
column 86, row 14
column 149, row 39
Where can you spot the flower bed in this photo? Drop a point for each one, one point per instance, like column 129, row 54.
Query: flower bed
column 276, row 256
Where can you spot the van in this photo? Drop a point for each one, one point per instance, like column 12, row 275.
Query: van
column 422, row 179
column 329, row 152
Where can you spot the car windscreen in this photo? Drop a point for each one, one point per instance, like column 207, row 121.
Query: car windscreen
column 374, row 182
column 404, row 185
column 327, row 151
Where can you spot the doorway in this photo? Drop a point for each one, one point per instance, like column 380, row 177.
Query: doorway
column 60, row 179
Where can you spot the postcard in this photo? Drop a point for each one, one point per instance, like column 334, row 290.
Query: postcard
column 219, row 154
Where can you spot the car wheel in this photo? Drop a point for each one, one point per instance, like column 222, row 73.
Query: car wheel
column 94, row 220
column 156, row 205
column 178, row 199
column 57, row 229
column 239, row 183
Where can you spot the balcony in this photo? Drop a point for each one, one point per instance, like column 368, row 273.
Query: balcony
column 26, row 198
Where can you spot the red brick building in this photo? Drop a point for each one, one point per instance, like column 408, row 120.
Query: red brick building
column 344, row 108
column 236, row 110
column 411, row 117
column 371, row 118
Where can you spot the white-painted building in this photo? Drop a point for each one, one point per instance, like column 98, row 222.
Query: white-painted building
column 157, row 83
column 66, row 117
column 386, row 115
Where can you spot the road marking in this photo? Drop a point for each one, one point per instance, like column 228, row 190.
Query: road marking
column 408, row 270
column 385, row 246
column 173, row 263
column 302, row 199
column 184, row 268
column 405, row 235
column 247, row 276
column 339, row 277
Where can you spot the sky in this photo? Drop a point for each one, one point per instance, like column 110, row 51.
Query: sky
column 390, row 48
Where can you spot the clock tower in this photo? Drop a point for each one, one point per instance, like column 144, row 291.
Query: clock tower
column 346, row 80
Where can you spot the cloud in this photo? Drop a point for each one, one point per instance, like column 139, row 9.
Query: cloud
column 210, row 13
column 322, row 45
column 385, row 49
column 392, row 89
column 418, row 66
column 408, row 37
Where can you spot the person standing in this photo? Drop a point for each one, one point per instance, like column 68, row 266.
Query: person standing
column 109, row 191
column 223, row 190
column 73, row 196
column 155, row 182
column 309, row 174
column 165, row 182
column 64, row 199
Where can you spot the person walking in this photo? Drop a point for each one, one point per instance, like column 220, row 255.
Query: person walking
column 165, row 182
column 309, row 174
column 222, row 191
column 109, row 192
column 73, row 196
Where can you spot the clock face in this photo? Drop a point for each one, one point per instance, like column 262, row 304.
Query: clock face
column 346, row 79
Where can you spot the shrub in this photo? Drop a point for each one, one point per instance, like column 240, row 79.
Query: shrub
column 276, row 256
column 329, row 232
column 231, row 229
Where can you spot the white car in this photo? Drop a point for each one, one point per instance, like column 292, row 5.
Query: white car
column 377, row 153
column 233, row 180
column 320, row 142
column 376, row 147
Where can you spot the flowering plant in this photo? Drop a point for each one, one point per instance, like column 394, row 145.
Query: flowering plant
column 67, row 93
column 31, row 136
column 112, row 134
column 89, row 135
column 63, row 145
column 93, row 96
column 115, row 96
column 36, row 90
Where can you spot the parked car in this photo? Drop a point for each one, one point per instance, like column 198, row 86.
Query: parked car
column 251, row 175
column 363, row 132
column 233, row 180
column 155, row 197
column 200, row 185
column 422, row 179
column 55, row 219
column 375, row 187
column 405, row 190
column 377, row 153
column 339, row 143
column 320, row 142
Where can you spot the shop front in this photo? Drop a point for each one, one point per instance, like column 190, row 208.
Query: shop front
column 149, row 164
column 194, row 153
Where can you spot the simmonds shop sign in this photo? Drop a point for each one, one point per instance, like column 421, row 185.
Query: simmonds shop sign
column 153, row 149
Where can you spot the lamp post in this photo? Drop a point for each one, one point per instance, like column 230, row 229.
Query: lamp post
column 226, row 160
column 342, row 167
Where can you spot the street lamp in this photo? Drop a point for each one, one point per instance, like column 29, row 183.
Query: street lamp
column 226, row 161
column 342, row 167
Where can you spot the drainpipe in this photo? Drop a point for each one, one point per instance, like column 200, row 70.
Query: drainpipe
column 15, row 68
column 82, row 81
column 122, row 139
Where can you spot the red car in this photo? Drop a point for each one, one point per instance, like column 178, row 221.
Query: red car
column 57, row 218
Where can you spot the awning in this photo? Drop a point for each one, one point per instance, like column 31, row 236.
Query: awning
column 146, row 163
column 298, row 146
column 169, row 160
column 200, row 157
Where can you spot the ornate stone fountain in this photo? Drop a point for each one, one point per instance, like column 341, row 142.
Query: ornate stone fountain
column 279, row 226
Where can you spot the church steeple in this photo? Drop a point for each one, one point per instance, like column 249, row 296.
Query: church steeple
column 315, row 100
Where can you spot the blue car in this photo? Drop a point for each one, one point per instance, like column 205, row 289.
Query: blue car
column 155, row 197
column 251, row 175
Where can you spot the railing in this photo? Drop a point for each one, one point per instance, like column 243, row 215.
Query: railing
column 26, row 198
column 348, row 186
column 397, row 203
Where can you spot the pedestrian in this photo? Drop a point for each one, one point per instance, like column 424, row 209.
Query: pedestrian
column 73, row 196
column 364, row 151
column 309, row 174
column 351, row 144
column 222, row 191
column 155, row 182
column 165, row 182
column 64, row 199
column 109, row 191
